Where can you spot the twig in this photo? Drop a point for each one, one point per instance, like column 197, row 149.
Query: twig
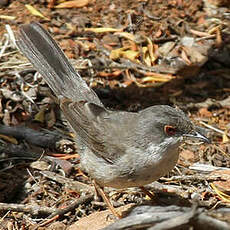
column 205, row 38
column 196, row 177
column 45, row 139
column 61, row 212
column 131, row 65
column 32, row 209
column 69, row 183
column 213, row 128
column 3, row 49
column 11, row 35
column 205, row 168
column 178, row 221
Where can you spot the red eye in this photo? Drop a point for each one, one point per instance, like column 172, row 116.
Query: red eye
column 170, row 130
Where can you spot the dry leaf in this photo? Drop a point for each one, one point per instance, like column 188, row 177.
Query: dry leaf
column 116, row 73
column 40, row 165
column 70, row 134
column 73, row 4
column 102, row 30
column 223, row 196
column 51, row 3
column 35, row 12
column 126, row 35
column 152, row 51
column 185, row 57
column 116, row 53
column 218, row 38
column 131, row 55
column 225, row 138
column 133, row 46
column 152, row 77
column 7, row 17
column 158, row 33
column 166, row 48
column 86, row 45
column 9, row 139
column 146, row 55
column 205, row 113
column 124, row 52
column 40, row 116
column 223, row 184
column 214, row 29
column 199, row 33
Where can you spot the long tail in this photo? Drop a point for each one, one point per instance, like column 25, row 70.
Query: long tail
column 50, row 61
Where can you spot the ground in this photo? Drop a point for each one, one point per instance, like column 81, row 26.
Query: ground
column 134, row 54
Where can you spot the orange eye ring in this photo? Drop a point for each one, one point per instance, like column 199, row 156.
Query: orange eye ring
column 170, row 130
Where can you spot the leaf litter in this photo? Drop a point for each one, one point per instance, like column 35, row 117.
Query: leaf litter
column 134, row 54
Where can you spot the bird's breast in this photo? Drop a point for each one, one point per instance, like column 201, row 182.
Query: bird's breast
column 134, row 168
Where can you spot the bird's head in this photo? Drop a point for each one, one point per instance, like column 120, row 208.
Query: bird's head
column 165, row 123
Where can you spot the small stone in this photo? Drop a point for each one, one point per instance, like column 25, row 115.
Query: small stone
column 27, row 185
column 187, row 41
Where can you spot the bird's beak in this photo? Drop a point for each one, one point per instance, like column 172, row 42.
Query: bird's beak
column 198, row 135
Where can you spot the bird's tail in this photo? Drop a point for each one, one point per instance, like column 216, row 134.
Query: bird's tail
column 50, row 61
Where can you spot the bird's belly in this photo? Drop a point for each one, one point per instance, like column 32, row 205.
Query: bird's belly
column 128, row 171
column 152, row 171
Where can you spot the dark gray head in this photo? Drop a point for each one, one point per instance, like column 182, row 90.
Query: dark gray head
column 162, row 122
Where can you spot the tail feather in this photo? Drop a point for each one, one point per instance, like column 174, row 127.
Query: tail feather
column 50, row 61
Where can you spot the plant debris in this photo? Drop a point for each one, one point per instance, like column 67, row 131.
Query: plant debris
column 134, row 54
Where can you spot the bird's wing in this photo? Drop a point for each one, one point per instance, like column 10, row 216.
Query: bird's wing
column 105, row 132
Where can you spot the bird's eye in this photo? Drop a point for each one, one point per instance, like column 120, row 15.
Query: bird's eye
column 170, row 130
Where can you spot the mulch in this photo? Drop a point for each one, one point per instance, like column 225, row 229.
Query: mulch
column 134, row 54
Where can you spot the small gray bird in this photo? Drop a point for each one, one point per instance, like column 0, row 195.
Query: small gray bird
column 117, row 149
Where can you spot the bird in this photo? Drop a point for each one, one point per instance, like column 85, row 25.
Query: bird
column 117, row 149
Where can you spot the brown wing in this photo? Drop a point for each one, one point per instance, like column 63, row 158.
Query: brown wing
column 104, row 132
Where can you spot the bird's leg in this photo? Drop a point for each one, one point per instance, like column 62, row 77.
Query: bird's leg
column 148, row 193
column 104, row 196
